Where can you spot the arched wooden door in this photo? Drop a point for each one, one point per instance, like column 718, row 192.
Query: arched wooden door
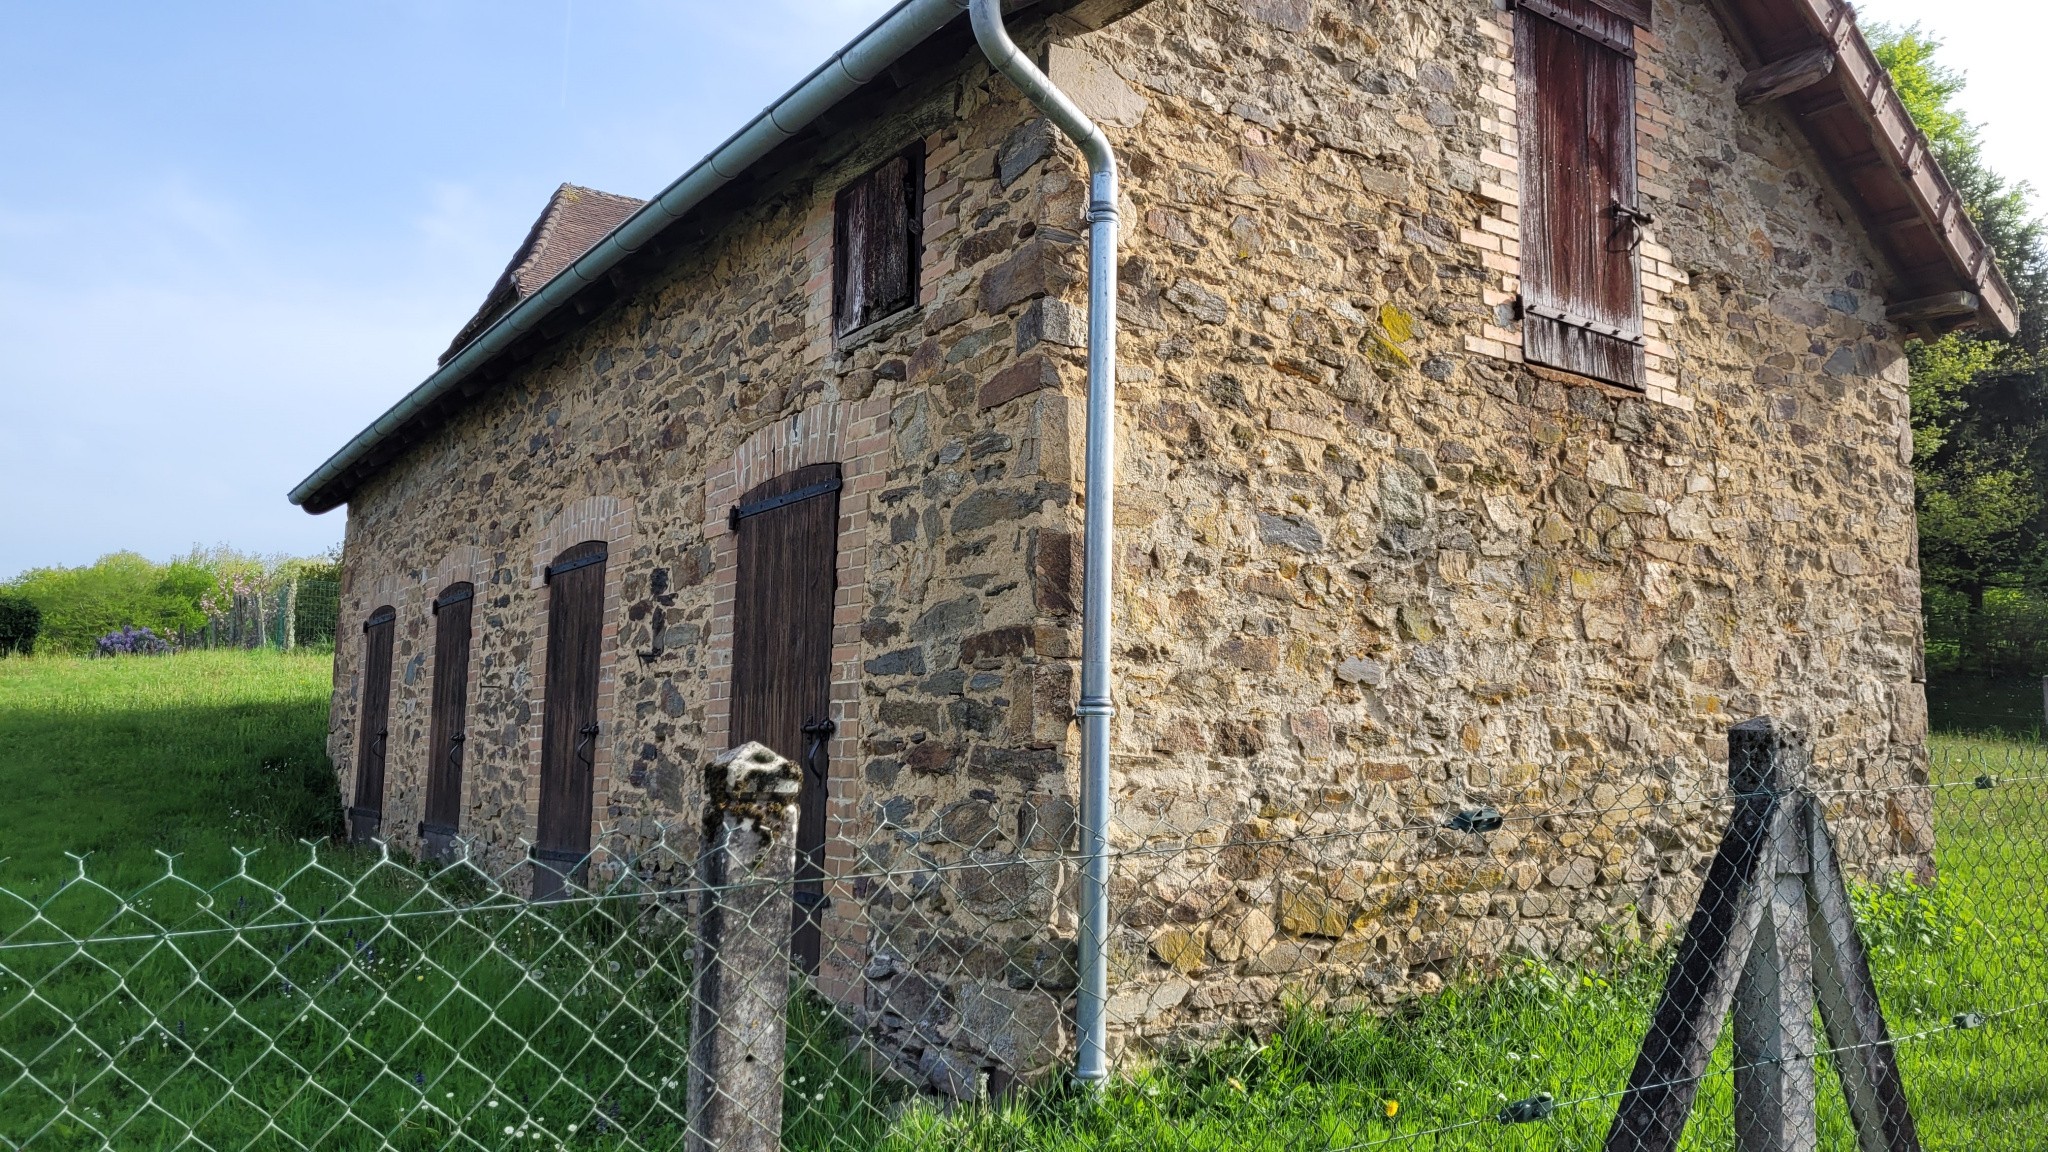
column 788, row 532
column 448, row 733
column 373, row 727
column 569, row 725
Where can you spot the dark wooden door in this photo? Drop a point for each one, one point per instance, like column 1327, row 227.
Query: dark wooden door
column 373, row 729
column 788, row 533
column 447, row 733
column 569, row 725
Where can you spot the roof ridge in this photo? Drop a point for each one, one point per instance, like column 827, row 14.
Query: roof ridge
column 537, row 260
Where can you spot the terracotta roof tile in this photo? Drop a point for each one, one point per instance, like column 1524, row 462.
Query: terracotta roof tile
column 575, row 219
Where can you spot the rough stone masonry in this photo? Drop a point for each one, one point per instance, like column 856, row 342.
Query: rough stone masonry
column 1372, row 568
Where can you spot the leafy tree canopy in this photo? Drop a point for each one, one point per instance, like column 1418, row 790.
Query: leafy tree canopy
column 77, row 606
column 1980, row 404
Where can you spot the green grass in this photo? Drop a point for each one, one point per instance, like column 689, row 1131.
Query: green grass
column 195, row 754
column 309, row 996
column 331, row 999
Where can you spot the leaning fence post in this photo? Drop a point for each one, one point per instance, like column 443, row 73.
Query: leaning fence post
column 1774, row 1037
column 1774, row 913
column 1710, row 960
column 746, row 870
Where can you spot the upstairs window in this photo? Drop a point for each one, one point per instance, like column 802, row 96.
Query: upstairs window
column 878, row 239
column 1582, row 222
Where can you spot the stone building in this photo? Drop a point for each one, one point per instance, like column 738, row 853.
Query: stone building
column 1512, row 397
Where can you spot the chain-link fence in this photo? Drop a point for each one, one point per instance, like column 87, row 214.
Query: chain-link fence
column 288, row 614
column 1656, row 961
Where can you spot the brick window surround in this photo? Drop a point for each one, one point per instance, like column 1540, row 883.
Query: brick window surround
column 1498, row 238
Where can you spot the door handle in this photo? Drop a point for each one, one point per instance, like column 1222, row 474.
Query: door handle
column 584, row 746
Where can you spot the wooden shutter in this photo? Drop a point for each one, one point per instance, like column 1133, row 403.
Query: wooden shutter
column 569, row 725
column 788, row 532
column 447, row 734
column 877, row 242
column 1582, row 305
column 373, row 726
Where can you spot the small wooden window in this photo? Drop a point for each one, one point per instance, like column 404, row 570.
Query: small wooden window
column 788, row 530
column 447, row 732
column 373, row 727
column 569, row 724
column 1582, row 221
column 878, row 241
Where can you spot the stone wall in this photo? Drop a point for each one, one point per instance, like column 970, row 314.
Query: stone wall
column 1375, row 570
column 1372, row 569
column 957, row 570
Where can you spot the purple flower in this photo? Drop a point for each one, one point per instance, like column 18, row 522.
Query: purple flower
column 131, row 641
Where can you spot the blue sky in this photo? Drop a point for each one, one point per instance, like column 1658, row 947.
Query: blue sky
column 232, row 233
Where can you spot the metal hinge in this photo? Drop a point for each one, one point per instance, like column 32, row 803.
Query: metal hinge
column 455, row 597
column 742, row 511
column 1561, row 316
column 1558, row 14
column 554, row 570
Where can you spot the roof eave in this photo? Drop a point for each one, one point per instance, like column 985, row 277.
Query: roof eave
column 905, row 26
column 1883, row 165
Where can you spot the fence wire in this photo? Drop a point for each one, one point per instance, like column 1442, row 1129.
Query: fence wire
column 285, row 614
column 1329, row 972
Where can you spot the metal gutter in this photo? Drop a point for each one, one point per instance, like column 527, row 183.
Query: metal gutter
column 885, row 41
column 1091, row 1060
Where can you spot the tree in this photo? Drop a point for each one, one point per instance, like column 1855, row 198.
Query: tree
column 20, row 620
column 122, row 589
column 1980, row 403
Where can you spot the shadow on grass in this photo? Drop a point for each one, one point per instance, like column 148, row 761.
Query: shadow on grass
column 121, row 784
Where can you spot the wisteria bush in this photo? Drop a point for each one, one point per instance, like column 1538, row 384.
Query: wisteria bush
column 133, row 642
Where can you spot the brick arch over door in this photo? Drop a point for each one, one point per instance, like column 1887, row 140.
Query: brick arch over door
column 855, row 435
column 594, row 519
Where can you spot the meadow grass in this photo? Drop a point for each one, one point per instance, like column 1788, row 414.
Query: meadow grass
column 331, row 998
column 196, row 754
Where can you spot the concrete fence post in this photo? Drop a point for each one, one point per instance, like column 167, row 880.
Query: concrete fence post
column 746, row 871
column 291, row 614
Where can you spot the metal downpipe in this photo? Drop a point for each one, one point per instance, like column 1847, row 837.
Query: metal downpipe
column 1091, row 1061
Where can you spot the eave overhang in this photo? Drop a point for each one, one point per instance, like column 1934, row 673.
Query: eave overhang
column 1810, row 58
